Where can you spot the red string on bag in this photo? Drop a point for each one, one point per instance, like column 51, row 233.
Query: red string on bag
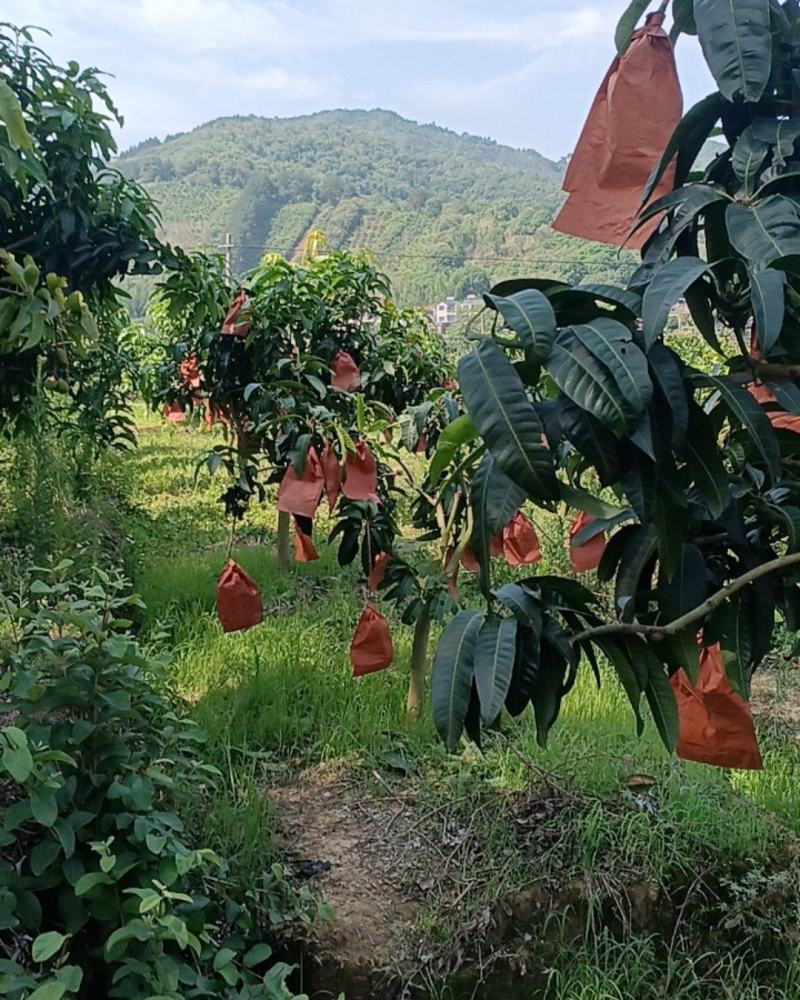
column 238, row 599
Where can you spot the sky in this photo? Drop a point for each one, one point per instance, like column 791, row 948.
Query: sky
column 523, row 72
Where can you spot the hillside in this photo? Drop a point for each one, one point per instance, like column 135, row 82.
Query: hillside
column 444, row 213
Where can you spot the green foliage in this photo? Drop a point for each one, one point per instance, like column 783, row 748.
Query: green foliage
column 81, row 226
column 95, row 868
column 680, row 444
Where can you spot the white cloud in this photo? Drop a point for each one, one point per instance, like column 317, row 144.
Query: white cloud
column 275, row 79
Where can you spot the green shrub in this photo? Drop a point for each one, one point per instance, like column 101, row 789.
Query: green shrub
column 101, row 890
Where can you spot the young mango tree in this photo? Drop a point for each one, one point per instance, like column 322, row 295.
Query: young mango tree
column 693, row 476
column 70, row 227
column 313, row 373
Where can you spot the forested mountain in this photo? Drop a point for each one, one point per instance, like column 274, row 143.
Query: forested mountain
column 444, row 213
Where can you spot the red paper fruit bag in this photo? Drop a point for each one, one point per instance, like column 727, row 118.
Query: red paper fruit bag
column 360, row 474
column 304, row 550
column 378, row 574
column 345, row 373
column 716, row 723
column 331, row 473
column 301, row 495
column 371, row 647
column 520, row 543
column 631, row 121
column 238, row 599
column 587, row 556
column 237, row 318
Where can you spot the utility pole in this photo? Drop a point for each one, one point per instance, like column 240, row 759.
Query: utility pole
column 227, row 248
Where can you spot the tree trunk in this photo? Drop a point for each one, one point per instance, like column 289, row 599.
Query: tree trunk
column 284, row 541
column 419, row 663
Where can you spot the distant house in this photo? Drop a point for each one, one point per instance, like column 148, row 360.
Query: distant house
column 445, row 313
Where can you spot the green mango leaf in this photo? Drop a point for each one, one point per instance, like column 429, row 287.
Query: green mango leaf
column 624, row 670
column 526, row 668
column 765, row 231
column 683, row 16
column 604, row 376
column 737, row 643
column 526, row 608
column 753, row 419
column 768, row 295
column 661, row 699
column 670, row 522
column 669, row 283
column 11, row 117
column 495, row 651
column 686, row 588
column 529, row 314
column 627, row 23
column 791, row 518
column 748, row 158
column 495, row 499
column 451, row 679
column 506, row 420
column 457, row 433
column 737, row 45
column 705, row 463
column 665, row 370
column 53, row 990
column 639, row 551
column 591, row 439
column 548, row 686
column 613, row 296
column 686, row 142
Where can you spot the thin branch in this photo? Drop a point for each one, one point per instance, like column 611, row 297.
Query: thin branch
column 658, row 632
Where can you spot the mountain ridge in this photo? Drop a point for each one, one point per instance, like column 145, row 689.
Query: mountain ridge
column 445, row 213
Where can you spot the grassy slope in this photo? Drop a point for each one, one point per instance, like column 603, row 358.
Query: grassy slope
column 281, row 696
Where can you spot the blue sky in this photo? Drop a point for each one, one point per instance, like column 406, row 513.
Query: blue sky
column 520, row 71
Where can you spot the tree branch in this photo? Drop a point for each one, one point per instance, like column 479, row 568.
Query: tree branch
column 658, row 632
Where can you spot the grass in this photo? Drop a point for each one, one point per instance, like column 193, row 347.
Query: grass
column 281, row 696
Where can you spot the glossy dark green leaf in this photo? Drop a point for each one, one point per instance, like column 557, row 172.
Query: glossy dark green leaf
column 495, row 650
column 686, row 142
column 791, row 519
column 737, row 45
column 683, row 16
column 613, row 296
column 661, row 699
column 513, row 285
column 638, row 481
column 507, row 420
column 587, row 502
column 765, row 231
column 767, row 293
column 613, row 553
column 602, row 373
column 626, row 25
column 697, row 299
column 669, row 284
column 637, row 556
column 736, row 643
column 592, row 440
column 547, row 690
column 526, row 608
column 529, row 314
column 705, row 463
column 495, row 499
column 624, row 669
column 750, row 414
column 686, row 589
column 526, row 667
column 666, row 372
column 451, row 679
column 748, row 158
column 670, row 521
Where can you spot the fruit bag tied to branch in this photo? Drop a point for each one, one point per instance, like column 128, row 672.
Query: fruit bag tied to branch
column 633, row 116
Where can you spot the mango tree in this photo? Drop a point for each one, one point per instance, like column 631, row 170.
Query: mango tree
column 694, row 476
